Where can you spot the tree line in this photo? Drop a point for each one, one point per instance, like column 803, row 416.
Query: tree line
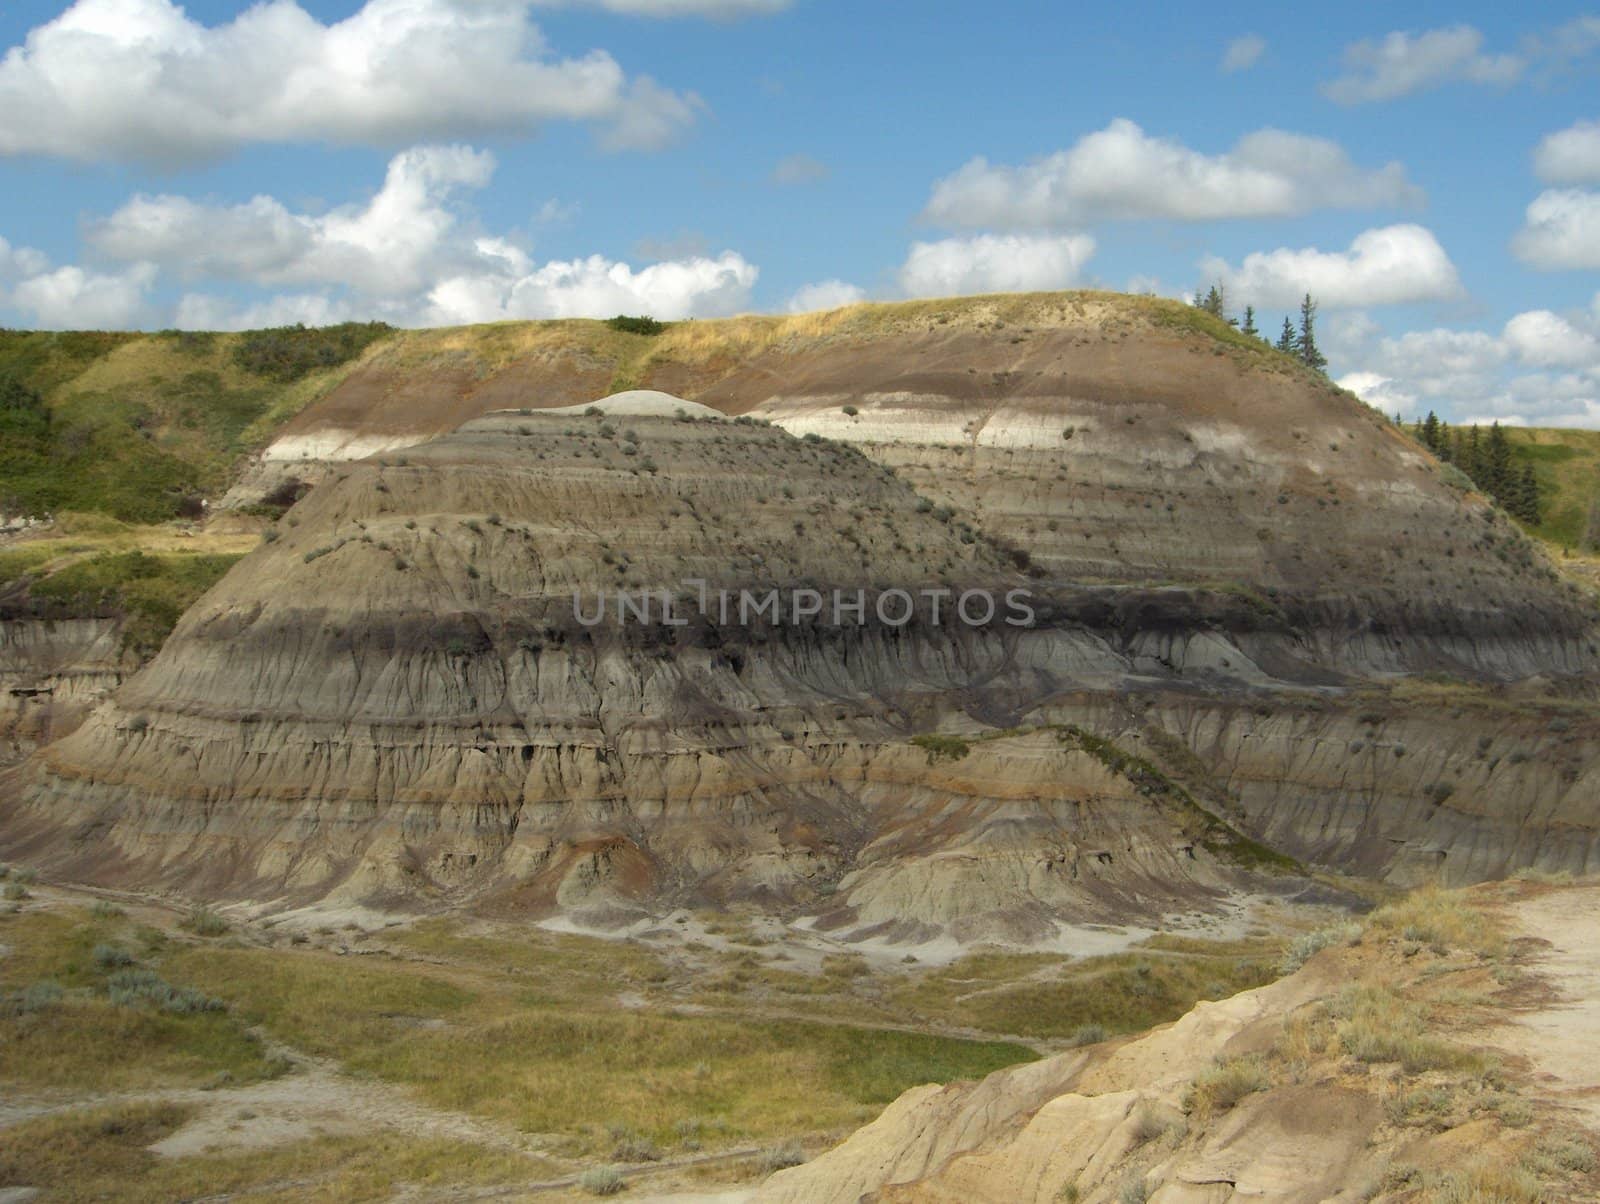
column 1485, row 457
column 1299, row 341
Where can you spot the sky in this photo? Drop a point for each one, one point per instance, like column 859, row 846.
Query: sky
column 1429, row 172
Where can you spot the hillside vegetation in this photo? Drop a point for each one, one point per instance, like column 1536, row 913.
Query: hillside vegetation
column 142, row 427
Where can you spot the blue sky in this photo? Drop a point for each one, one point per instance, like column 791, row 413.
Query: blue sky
column 1431, row 172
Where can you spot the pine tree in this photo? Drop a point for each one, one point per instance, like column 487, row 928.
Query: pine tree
column 1310, row 355
column 1525, row 496
column 1498, row 477
column 1249, row 326
column 1215, row 302
column 1288, row 342
column 1430, row 432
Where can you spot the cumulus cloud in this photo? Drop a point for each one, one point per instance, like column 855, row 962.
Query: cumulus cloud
column 1560, row 231
column 389, row 246
column 799, row 169
column 1543, row 368
column 1548, row 340
column 20, row 261
column 140, row 80
column 72, row 298
column 1243, row 53
column 1570, row 156
column 1122, row 172
column 1388, row 266
column 200, row 311
column 1403, row 63
column 593, row 287
column 717, row 10
column 992, row 263
column 825, row 294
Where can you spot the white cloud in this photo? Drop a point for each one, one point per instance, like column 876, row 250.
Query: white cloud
column 593, row 287
column 1243, row 53
column 1122, row 172
column 799, row 169
column 1470, row 375
column 70, row 298
column 1388, row 266
column 140, row 80
column 1550, row 341
column 825, row 294
column 993, row 263
column 1561, row 231
column 20, row 261
column 199, row 311
column 1377, row 390
column 1570, row 156
column 1403, row 63
column 390, row 246
column 717, row 10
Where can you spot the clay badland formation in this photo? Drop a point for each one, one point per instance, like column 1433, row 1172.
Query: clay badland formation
column 1268, row 628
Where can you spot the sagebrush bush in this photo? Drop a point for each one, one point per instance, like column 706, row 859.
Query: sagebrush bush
column 601, row 1181
column 203, row 921
column 109, row 957
column 135, row 988
column 781, row 1157
column 1308, row 944
column 1224, row 1085
column 35, row 997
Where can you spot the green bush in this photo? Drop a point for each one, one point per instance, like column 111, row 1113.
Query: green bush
column 35, row 997
column 942, row 748
column 636, row 325
column 202, row 921
column 137, row 988
column 109, row 957
column 287, row 353
column 601, row 1181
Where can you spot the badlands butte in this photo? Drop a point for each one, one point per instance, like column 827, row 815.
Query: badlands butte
column 1271, row 634
column 308, row 643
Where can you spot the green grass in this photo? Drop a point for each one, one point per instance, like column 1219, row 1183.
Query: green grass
column 148, row 591
column 530, row 1034
column 100, row 1154
column 1567, row 465
column 1119, row 993
column 84, row 1040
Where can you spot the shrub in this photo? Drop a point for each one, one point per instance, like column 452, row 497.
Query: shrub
column 203, row 921
column 1308, row 944
column 633, row 1147
column 640, row 324
column 15, row 892
column 136, row 988
column 940, row 748
column 109, row 957
column 1088, row 1034
column 781, row 1158
column 851, row 411
column 35, row 997
column 286, row 353
column 1224, row 1085
column 106, row 911
column 601, row 1181
column 1133, row 1191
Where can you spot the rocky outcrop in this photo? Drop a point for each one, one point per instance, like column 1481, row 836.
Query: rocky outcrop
column 52, row 673
column 399, row 698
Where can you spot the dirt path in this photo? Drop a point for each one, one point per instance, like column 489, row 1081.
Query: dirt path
column 1560, row 1038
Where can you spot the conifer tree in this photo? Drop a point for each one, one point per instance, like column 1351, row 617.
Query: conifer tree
column 1287, row 342
column 1249, row 326
column 1310, row 354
